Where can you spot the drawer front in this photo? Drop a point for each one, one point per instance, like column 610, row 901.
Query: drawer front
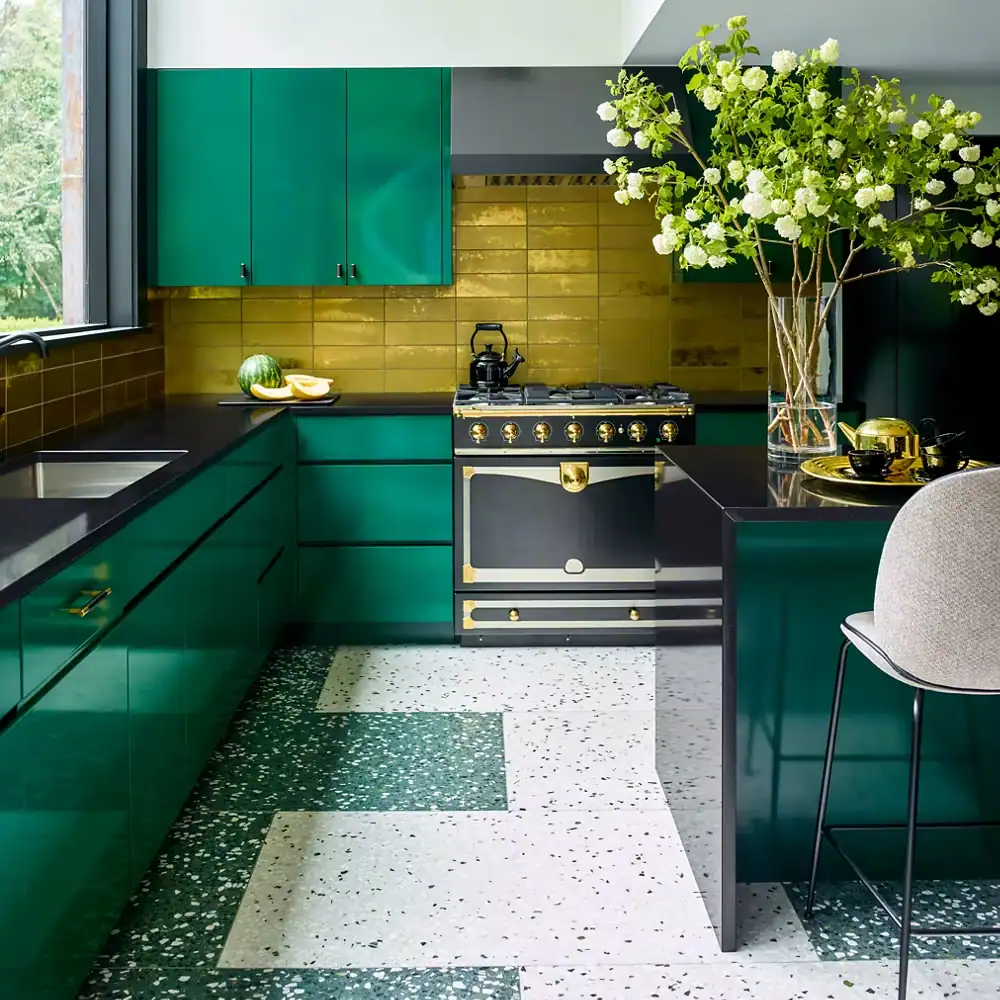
column 367, row 439
column 10, row 658
column 375, row 503
column 253, row 462
column 383, row 583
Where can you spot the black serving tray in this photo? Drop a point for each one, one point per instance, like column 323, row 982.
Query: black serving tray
column 242, row 400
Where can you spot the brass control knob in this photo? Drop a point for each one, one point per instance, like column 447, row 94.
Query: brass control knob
column 634, row 614
column 515, row 615
column 669, row 430
column 605, row 431
column 637, row 430
column 510, row 432
column 478, row 432
column 574, row 431
column 542, row 432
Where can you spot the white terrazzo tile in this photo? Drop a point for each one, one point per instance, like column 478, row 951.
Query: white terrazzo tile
column 689, row 676
column 339, row 890
column 517, row 679
column 581, row 760
column 955, row 979
column 770, row 929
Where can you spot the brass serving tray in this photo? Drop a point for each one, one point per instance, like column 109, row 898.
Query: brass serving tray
column 837, row 469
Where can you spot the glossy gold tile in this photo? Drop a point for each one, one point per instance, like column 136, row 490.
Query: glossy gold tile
column 205, row 292
column 562, row 308
column 58, row 414
column 754, row 379
column 420, row 356
column 491, row 262
column 23, row 425
column 90, row 351
column 702, row 343
column 627, row 237
column 24, row 391
column 286, row 334
column 277, row 310
column 419, row 291
column 548, row 193
column 203, row 334
column 562, row 376
column 59, row 357
column 291, row 357
column 432, row 310
column 753, row 355
column 636, row 213
column 494, row 194
column 349, row 310
column 753, row 302
column 86, row 376
column 205, row 359
column 580, row 285
column 489, row 214
column 491, row 310
column 693, row 379
column 57, row 383
column 563, row 214
column 635, row 262
column 419, row 380
column 697, row 301
column 516, row 330
column 204, row 311
column 635, row 307
column 490, row 237
column 86, row 406
column 491, row 286
column 337, row 358
column 348, row 292
column 572, row 331
column 359, row 380
column 348, row 334
column 562, row 237
column 635, row 284
column 554, row 261
column 278, row 292
column 24, row 364
column 419, row 333
column 584, row 356
column 180, row 381
column 626, row 351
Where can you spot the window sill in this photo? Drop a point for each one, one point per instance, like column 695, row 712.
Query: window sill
column 68, row 336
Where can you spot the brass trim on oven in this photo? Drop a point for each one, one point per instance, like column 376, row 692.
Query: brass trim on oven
column 468, row 573
column 574, row 477
column 467, row 620
column 623, row 412
column 468, row 471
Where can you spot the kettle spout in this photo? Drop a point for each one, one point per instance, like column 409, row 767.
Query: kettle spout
column 850, row 433
column 513, row 366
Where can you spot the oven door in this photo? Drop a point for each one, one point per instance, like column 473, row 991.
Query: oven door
column 554, row 522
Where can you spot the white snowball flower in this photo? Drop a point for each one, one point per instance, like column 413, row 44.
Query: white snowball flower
column 715, row 231
column 906, row 249
column 802, row 195
column 619, row 137
column 864, row 197
column 987, row 286
column 731, row 83
column 784, row 61
column 877, row 221
column 934, row 186
column 756, row 180
column 711, row 97
column 948, row 142
column 634, row 180
column 992, row 208
column 964, row 175
column 642, row 141
column 968, row 296
column 798, row 211
column 984, row 187
column 844, row 181
column 692, row 214
column 836, row 147
column 842, row 111
column 716, row 261
column 884, row 192
column 981, row 239
column 816, row 98
column 829, row 51
column 788, row 228
column 863, row 176
column 921, row 129
column 987, row 308
column 735, row 168
column 724, row 66
column 921, row 204
column 712, row 175
column 609, row 166
column 898, row 116
column 634, row 122
column 974, row 117
column 695, row 256
column 947, row 109
column 781, row 206
column 816, row 207
column 756, row 205
column 811, row 177
column 969, row 153
column 621, row 197
column 672, row 118
column 737, row 21
column 755, row 78
column 662, row 245
column 607, row 112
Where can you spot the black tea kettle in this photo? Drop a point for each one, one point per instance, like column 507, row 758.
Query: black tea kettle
column 488, row 370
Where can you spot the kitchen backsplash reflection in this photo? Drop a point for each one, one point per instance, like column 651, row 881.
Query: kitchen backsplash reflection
column 569, row 272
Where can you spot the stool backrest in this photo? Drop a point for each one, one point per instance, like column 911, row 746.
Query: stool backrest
column 937, row 596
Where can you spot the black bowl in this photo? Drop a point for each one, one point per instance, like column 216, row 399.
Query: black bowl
column 872, row 464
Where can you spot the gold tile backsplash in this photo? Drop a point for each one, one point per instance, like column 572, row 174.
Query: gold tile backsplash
column 569, row 272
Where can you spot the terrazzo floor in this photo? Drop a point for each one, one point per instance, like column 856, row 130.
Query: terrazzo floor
column 433, row 823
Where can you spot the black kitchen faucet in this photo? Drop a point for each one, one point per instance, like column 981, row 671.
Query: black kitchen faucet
column 35, row 339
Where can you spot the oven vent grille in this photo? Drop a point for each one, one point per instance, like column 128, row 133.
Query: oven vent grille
column 532, row 180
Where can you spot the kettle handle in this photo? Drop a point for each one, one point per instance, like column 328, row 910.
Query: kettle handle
column 492, row 328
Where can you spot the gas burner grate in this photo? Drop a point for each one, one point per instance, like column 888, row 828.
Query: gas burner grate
column 470, row 395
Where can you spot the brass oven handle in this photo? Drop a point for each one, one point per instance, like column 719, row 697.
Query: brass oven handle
column 574, row 477
column 96, row 596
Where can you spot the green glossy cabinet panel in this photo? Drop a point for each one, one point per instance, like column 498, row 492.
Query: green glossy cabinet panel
column 397, row 123
column 299, row 157
column 742, row 427
column 373, row 439
column 375, row 503
column 10, row 658
column 64, row 828
column 276, row 598
column 202, row 176
column 379, row 583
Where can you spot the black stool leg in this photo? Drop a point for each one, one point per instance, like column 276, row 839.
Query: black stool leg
column 906, row 917
column 824, row 792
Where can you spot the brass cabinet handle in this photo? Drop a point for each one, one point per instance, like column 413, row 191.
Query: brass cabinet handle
column 96, row 596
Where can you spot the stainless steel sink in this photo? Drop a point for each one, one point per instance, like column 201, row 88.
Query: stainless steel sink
column 79, row 475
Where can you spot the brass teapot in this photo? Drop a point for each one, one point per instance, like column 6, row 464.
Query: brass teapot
column 892, row 434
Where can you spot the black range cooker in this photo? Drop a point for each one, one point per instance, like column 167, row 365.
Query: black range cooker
column 554, row 490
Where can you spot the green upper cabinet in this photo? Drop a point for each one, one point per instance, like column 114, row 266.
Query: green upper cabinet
column 299, row 187
column 398, row 181
column 202, row 183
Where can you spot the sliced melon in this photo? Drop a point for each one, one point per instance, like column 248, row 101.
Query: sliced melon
column 283, row 392
column 307, row 379
column 309, row 390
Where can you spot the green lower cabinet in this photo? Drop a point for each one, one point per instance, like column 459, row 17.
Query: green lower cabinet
column 276, row 599
column 10, row 657
column 375, row 503
column 388, row 584
column 374, row 439
column 64, row 828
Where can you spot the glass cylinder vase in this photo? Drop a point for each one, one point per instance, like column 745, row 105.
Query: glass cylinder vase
column 801, row 383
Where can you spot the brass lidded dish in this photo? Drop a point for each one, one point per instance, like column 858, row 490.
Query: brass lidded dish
column 837, row 469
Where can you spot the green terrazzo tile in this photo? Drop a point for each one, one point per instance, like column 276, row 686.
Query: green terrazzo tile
column 358, row 761
column 303, row 984
column 848, row 924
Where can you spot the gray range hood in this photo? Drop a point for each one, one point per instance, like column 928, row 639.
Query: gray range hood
column 524, row 120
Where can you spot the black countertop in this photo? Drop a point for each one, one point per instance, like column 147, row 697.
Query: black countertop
column 357, row 404
column 740, row 481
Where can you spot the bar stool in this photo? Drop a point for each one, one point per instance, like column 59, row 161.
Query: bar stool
column 935, row 627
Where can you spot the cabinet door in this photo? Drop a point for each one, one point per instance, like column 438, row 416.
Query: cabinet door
column 397, row 233
column 202, row 176
column 10, row 658
column 299, row 176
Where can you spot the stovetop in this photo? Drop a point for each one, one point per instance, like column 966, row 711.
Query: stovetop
column 590, row 394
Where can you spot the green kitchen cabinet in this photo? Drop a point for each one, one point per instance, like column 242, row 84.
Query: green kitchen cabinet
column 398, row 184
column 744, row 426
column 64, row 827
column 299, row 186
column 10, row 657
column 202, row 177
column 371, row 439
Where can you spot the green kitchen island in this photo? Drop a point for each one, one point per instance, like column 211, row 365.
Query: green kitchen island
column 741, row 720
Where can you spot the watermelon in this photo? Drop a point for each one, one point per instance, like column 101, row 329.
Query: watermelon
column 261, row 369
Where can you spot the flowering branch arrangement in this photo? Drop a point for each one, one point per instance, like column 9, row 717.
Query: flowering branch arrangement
column 799, row 163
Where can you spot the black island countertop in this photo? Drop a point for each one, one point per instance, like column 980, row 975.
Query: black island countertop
column 741, row 483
